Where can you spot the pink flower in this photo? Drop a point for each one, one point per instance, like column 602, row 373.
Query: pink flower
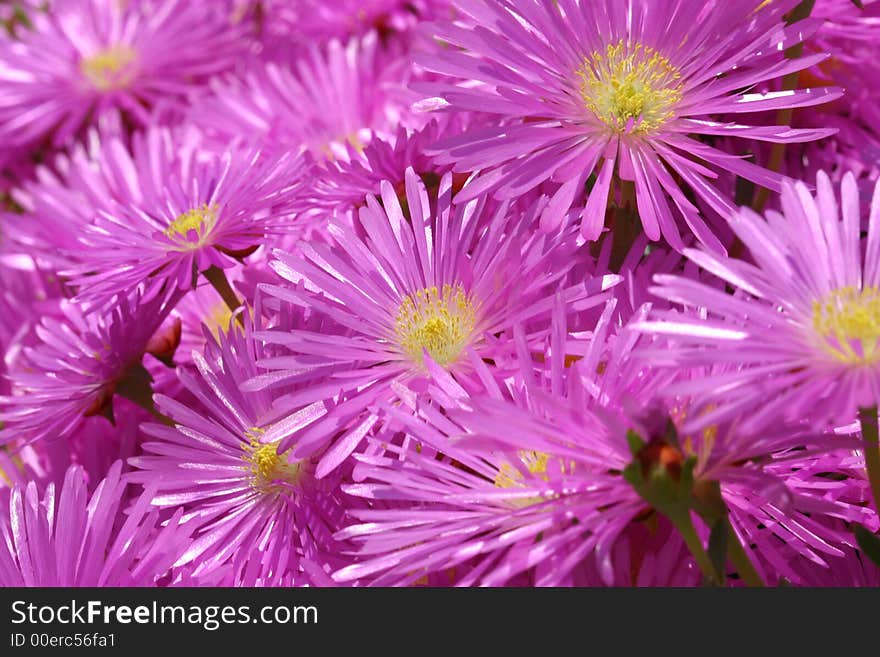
column 88, row 57
column 68, row 538
column 435, row 286
column 801, row 336
column 588, row 92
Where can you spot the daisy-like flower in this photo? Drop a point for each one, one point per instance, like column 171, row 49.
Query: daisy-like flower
column 802, row 333
column 186, row 210
column 849, row 34
column 422, row 289
column 504, row 482
column 261, row 514
column 534, row 483
column 87, row 57
column 322, row 101
column 318, row 20
column 26, row 295
column 291, row 26
column 488, row 515
column 80, row 363
column 620, row 90
column 64, row 194
column 68, row 538
column 342, row 184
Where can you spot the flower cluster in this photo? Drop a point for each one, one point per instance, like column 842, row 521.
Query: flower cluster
column 439, row 293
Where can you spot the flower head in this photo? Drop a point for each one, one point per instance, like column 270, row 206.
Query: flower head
column 186, row 210
column 88, row 57
column 426, row 288
column 322, row 102
column 68, row 538
column 260, row 514
column 310, row 20
column 802, row 334
column 588, row 93
column 78, row 366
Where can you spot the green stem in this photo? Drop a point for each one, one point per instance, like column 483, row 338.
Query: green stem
column 217, row 277
column 150, row 407
column 868, row 420
column 137, row 387
column 789, row 82
column 685, row 527
column 740, row 559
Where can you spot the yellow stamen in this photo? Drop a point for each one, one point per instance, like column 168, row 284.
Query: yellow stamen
column 218, row 319
column 112, row 68
column 511, row 477
column 269, row 470
column 847, row 322
column 631, row 88
column 440, row 323
column 201, row 220
column 535, row 462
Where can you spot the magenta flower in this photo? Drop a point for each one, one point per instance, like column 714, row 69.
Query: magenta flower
column 499, row 484
column 81, row 362
column 185, row 210
column 533, row 483
column 849, row 34
column 425, row 289
column 323, row 101
column 69, row 538
column 315, row 20
column 342, row 184
column 64, row 194
column 802, row 335
column 262, row 518
column 493, row 514
column 586, row 89
column 88, row 57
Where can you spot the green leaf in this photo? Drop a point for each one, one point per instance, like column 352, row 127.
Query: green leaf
column 636, row 444
column 686, row 483
column 869, row 543
column 632, row 474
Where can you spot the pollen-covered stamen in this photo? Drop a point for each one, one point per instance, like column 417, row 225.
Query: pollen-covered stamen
column 201, row 220
column 631, row 88
column 112, row 68
column 536, row 463
column 439, row 322
column 848, row 323
column 269, row 470
column 218, row 319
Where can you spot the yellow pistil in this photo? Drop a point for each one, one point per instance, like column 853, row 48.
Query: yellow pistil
column 847, row 322
column 631, row 88
column 439, row 322
column 201, row 220
column 112, row 68
column 269, row 470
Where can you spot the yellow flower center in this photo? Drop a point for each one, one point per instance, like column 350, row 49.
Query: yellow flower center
column 848, row 323
column 218, row 319
column 535, row 462
column 630, row 88
column 269, row 470
column 510, row 477
column 112, row 68
column 201, row 220
column 439, row 322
